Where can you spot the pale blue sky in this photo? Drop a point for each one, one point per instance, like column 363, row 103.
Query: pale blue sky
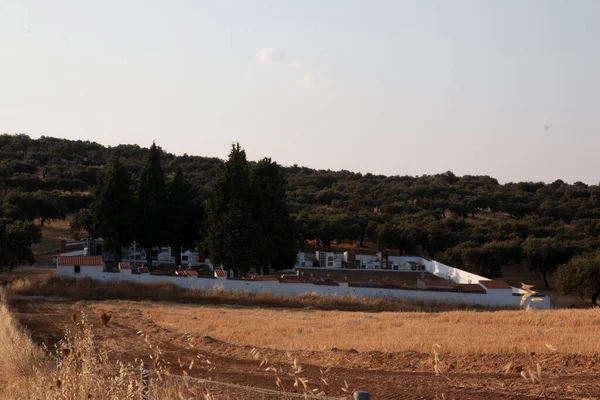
column 509, row 88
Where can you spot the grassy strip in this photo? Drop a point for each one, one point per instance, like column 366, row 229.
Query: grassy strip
column 88, row 289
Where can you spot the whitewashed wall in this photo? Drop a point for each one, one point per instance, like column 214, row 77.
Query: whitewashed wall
column 64, row 270
column 455, row 274
column 405, row 259
column 94, row 272
column 499, row 298
column 86, row 271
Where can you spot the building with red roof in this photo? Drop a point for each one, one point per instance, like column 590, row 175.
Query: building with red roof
column 83, row 266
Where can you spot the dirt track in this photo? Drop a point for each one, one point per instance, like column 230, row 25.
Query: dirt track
column 405, row 375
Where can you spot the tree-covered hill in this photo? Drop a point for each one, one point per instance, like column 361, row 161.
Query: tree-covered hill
column 471, row 221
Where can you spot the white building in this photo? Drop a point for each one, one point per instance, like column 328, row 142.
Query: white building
column 367, row 261
column 164, row 255
column 80, row 266
column 305, row 259
column 328, row 259
column 350, row 259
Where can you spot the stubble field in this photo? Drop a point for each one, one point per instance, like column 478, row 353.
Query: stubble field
column 480, row 354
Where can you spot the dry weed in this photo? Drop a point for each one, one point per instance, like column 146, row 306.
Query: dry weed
column 105, row 319
column 80, row 367
column 294, row 372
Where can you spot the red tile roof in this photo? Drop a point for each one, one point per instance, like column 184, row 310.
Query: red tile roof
column 435, row 283
column 495, row 285
column 124, row 265
column 471, row 287
column 264, row 278
column 66, row 261
column 220, row 272
column 191, row 271
column 290, row 279
column 181, row 273
column 143, row 270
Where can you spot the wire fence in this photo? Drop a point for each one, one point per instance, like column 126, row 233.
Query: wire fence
column 228, row 389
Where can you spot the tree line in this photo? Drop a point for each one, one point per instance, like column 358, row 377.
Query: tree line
column 243, row 223
column 473, row 222
column 153, row 211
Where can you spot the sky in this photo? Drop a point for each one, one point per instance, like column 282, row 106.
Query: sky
column 506, row 88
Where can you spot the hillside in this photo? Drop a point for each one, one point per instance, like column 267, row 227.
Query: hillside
column 470, row 221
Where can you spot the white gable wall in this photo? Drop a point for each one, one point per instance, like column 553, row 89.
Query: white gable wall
column 89, row 271
column 66, row 271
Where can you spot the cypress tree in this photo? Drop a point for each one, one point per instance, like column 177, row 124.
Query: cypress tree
column 111, row 213
column 151, row 204
column 184, row 211
column 276, row 243
column 230, row 231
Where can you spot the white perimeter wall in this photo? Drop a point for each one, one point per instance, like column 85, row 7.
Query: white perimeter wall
column 455, row 274
column 499, row 298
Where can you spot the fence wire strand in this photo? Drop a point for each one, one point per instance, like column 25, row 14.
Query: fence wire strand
column 248, row 388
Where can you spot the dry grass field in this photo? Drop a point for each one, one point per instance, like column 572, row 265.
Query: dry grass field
column 457, row 332
column 394, row 355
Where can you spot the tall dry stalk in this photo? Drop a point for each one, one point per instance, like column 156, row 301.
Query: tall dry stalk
column 302, row 382
column 439, row 373
column 20, row 358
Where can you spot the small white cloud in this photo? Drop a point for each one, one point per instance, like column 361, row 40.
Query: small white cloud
column 269, row 56
column 315, row 79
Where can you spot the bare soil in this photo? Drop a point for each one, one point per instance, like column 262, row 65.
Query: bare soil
column 386, row 375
